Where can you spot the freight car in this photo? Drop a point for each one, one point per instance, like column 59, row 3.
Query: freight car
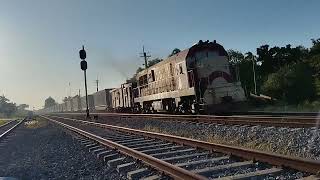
column 76, row 103
column 90, row 103
column 122, row 99
column 102, row 100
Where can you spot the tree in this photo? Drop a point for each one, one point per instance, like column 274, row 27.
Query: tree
column 273, row 59
column 49, row 102
column 174, row 51
column 21, row 110
column 3, row 100
column 292, row 83
column 6, row 108
column 314, row 61
column 139, row 69
column 246, row 73
column 241, row 68
column 235, row 57
column 23, row 106
column 65, row 99
column 314, row 57
column 154, row 61
column 150, row 63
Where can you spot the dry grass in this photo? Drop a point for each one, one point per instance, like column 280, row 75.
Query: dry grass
column 34, row 124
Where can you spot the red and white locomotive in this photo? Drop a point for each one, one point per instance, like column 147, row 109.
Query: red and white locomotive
column 193, row 80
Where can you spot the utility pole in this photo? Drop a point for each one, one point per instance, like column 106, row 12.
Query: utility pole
column 84, row 67
column 69, row 89
column 97, row 84
column 254, row 74
column 145, row 56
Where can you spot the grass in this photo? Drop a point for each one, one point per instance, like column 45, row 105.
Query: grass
column 2, row 122
column 5, row 120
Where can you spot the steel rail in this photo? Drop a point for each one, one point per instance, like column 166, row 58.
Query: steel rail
column 191, row 116
column 295, row 122
column 277, row 113
column 301, row 164
column 167, row 168
column 3, row 135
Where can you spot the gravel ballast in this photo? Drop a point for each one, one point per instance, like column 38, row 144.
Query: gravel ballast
column 245, row 168
column 300, row 142
column 42, row 150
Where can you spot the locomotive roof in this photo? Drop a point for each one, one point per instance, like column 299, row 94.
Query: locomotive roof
column 213, row 46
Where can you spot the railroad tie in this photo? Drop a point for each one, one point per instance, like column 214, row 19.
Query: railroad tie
column 96, row 151
column 172, row 153
column 95, row 148
column 126, row 167
column 253, row 175
column 141, row 143
column 130, row 140
column 152, row 146
column 115, row 162
column 139, row 173
column 159, row 150
column 195, row 163
column 106, row 158
column 104, row 153
column 184, row 157
column 152, row 177
column 210, row 170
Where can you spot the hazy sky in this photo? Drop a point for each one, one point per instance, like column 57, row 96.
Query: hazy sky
column 40, row 39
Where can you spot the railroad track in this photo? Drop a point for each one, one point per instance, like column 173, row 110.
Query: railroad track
column 277, row 113
column 253, row 120
column 183, row 158
column 7, row 128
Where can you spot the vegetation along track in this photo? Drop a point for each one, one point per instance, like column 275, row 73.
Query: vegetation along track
column 8, row 127
column 285, row 121
column 184, row 158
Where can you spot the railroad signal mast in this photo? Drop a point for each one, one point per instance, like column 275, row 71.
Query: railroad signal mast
column 145, row 56
column 84, row 67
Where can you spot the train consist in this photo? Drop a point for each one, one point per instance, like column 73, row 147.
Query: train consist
column 195, row 80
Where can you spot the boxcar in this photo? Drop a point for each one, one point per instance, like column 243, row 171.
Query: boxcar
column 90, row 103
column 76, row 103
column 102, row 100
column 122, row 99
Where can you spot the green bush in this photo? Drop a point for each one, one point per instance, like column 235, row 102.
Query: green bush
column 292, row 83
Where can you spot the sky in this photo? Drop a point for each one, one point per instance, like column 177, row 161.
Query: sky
column 40, row 39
